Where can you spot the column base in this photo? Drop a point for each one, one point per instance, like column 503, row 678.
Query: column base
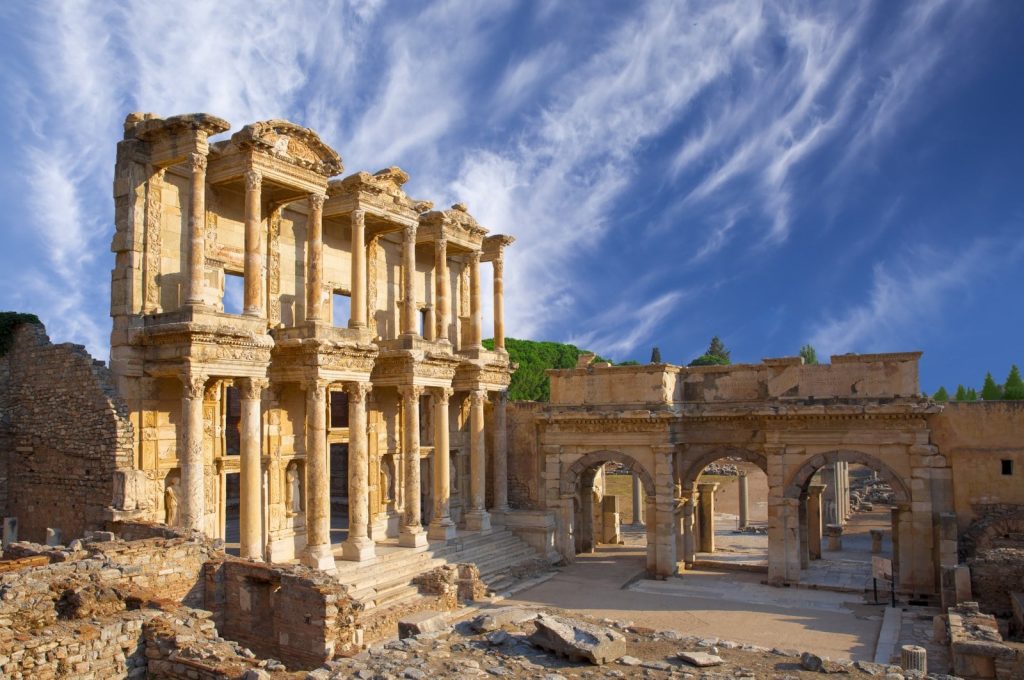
column 358, row 550
column 412, row 537
column 253, row 555
column 320, row 557
column 443, row 530
column 478, row 520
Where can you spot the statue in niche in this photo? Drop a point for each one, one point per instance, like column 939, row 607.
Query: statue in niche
column 453, row 476
column 293, row 490
column 171, row 502
column 387, row 480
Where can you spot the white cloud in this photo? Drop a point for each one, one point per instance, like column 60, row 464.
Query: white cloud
column 908, row 295
column 621, row 329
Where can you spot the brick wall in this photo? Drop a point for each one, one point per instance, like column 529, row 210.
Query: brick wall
column 67, row 435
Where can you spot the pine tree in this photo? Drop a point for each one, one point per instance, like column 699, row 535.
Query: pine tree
column 1014, row 387
column 990, row 391
column 972, row 394
column 961, row 393
column 941, row 395
column 809, row 354
column 717, row 355
column 655, row 355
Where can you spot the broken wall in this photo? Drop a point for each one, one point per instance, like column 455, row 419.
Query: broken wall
column 67, row 435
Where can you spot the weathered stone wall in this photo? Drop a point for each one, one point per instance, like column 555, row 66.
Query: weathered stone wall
column 290, row 613
column 976, row 437
column 995, row 574
column 525, row 464
column 68, row 434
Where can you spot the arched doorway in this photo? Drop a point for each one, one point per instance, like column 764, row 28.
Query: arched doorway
column 578, row 483
column 851, row 507
column 723, row 518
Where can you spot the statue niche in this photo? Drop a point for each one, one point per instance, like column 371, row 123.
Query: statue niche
column 171, row 498
column 293, row 489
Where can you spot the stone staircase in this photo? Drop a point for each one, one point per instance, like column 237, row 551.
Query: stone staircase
column 386, row 581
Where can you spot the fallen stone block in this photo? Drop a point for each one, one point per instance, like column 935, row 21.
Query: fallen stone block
column 578, row 640
column 495, row 619
column 810, row 662
column 701, row 659
column 422, row 622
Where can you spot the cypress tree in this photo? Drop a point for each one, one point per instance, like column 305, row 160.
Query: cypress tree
column 990, row 391
column 941, row 395
column 809, row 354
column 655, row 355
column 961, row 393
column 1014, row 387
column 972, row 394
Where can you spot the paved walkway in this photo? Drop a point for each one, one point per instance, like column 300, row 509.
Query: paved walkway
column 729, row 605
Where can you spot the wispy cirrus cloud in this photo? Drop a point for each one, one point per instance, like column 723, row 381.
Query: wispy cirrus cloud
column 909, row 293
column 620, row 330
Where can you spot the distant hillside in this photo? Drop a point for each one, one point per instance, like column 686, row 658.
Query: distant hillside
column 529, row 382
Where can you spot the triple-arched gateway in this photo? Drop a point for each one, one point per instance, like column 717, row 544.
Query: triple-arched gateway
column 666, row 424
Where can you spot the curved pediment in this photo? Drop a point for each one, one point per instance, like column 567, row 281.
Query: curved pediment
column 290, row 142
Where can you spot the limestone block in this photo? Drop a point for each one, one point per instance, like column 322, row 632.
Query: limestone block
column 493, row 620
column 428, row 621
column 578, row 640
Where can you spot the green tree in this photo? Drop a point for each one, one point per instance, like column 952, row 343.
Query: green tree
column 941, row 395
column 530, row 381
column 809, row 354
column 961, row 393
column 655, row 355
column 972, row 394
column 1014, row 387
column 990, row 390
column 716, row 355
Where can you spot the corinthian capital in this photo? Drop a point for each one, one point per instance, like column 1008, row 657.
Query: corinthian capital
column 443, row 394
column 358, row 218
column 410, row 232
column 197, row 162
column 252, row 388
column 253, row 180
column 358, row 391
column 316, row 201
column 410, row 392
column 193, row 385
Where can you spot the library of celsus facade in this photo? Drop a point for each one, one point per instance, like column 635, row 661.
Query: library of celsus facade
column 302, row 347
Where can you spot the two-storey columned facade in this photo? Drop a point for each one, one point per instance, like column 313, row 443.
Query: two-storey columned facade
column 302, row 356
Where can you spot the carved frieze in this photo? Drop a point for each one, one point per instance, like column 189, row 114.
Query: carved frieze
column 274, row 268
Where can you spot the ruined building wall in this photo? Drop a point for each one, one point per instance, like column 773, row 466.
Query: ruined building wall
column 977, row 437
column 68, row 435
column 525, row 463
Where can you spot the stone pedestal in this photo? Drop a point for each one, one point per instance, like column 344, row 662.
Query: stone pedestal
column 834, row 533
column 610, row 520
column 876, row 541
column 914, row 658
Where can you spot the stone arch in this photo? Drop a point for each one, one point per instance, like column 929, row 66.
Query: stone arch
column 1003, row 526
column 799, row 480
column 692, row 467
column 572, row 476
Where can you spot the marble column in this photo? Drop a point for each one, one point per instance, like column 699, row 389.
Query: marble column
column 192, row 507
column 499, row 303
column 411, row 533
column 500, row 459
column 744, row 501
column 442, row 284
column 315, row 259
column 196, row 230
column 409, row 281
column 638, row 502
column 318, row 492
column 250, row 497
column 814, row 520
column 707, row 516
column 358, row 546
column 253, row 304
column 475, row 311
column 477, row 519
column 441, row 526
column 803, row 531
column 357, row 316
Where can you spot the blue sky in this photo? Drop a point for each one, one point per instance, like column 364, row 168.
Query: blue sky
column 849, row 174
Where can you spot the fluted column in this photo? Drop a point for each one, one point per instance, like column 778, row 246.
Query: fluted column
column 441, row 525
column 409, row 280
column 358, row 547
column 477, row 519
column 192, row 509
column 357, row 318
column 476, row 313
column 499, row 303
column 250, row 486
column 315, row 258
column 500, row 461
column 411, row 534
column 196, row 230
column 253, row 273
column 443, row 288
column 318, row 492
